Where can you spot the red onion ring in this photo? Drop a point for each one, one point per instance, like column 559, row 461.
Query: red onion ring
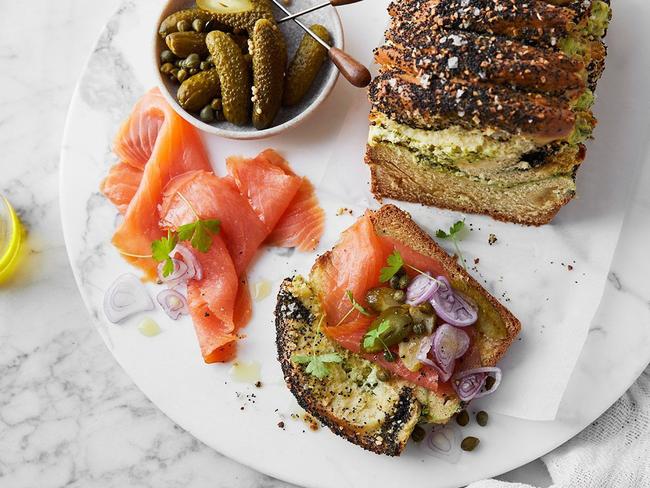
column 182, row 273
column 190, row 259
column 423, row 357
column 451, row 306
column 421, row 289
column 469, row 384
column 449, row 344
column 173, row 303
column 126, row 297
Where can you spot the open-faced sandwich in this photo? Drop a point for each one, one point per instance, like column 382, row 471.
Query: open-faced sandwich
column 388, row 332
column 483, row 106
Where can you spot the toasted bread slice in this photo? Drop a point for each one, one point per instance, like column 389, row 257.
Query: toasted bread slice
column 376, row 415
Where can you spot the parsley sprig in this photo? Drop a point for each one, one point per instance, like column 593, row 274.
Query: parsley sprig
column 394, row 263
column 161, row 250
column 453, row 235
column 317, row 363
column 199, row 234
column 356, row 305
column 373, row 337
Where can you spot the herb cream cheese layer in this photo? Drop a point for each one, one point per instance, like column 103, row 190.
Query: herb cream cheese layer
column 468, row 150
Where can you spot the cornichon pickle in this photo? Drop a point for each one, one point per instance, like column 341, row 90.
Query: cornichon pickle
column 182, row 44
column 305, row 66
column 268, row 72
column 238, row 15
column 199, row 90
column 233, row 75
column 169, row 25
column 399, row 325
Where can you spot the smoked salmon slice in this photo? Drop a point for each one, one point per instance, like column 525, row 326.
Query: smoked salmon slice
column 354, row 264
column 302, row 224
column 176, row 149
column 269, row 187
column 121, row 184
column 212, row 303
column 136, row 139
column 204, row 195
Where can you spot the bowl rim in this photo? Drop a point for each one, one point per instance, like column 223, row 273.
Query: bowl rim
column 253, row 134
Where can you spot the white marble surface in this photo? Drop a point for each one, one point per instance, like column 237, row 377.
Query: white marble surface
column 69, row 416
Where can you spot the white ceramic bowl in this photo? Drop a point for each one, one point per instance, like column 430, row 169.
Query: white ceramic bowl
column 287, row 116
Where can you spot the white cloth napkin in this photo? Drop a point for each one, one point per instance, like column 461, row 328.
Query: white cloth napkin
column 614, row 451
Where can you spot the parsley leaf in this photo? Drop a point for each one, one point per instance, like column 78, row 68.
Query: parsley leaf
column 161, row 250
column 395, row 263
column 356, row 305
column 453, row 235
column 373, row 336
column 199, row 233
column 317, row 365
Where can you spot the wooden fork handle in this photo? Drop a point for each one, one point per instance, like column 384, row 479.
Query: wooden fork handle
column 350, row 68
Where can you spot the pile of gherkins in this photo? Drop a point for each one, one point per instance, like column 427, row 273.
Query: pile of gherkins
column 230, row 60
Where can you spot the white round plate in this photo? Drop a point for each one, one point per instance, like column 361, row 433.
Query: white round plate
column 240, row 420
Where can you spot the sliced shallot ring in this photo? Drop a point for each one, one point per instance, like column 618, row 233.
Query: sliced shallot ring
column 182, row 273
column 449, row 344
column 444, row 442
column 451, row 306
column 190, row 259
column 421, row 289
column 173, row 303
column 469, row 384
column 126, row 297
column 423, row 357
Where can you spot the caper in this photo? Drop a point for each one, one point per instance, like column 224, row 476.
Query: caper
column 462, row 418
column 380, row 299
column 207, row 114
column 174, row 74
column 216, row 104
column 181, row 75
column 482, row 418
column 489, row 383
column 194, row 71
column 425, row 321
column 399, row 296
column 184, row 25
column 419, row 328
column 469, row 443
column 167, row 68
column 403, row 282
column 205, row 65
column 389, row 356
column 383, row 375
column 418, row 434
column 394, row 282
column 180, row 63
column 193, row 61
column 397, row 324
column 167, row 56
column 198, row 25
